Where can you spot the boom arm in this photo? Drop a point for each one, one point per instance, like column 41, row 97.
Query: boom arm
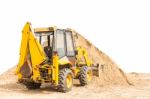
column 30, row 47
column 82, row 57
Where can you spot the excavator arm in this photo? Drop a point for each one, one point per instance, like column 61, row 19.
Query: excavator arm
column 30, row 51
column 82, row 57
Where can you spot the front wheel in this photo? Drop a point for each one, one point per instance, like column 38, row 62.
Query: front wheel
column 85, row 75
column 65, row 80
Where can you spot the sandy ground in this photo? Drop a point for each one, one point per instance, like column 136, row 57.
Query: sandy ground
column 140, row 89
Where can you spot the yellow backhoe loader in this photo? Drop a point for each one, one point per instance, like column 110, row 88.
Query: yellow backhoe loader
column 50, row 55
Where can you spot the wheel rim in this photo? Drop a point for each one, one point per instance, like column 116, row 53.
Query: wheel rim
column 69, row 81
column 89, row 75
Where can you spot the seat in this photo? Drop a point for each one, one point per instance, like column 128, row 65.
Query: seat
column 48, row 51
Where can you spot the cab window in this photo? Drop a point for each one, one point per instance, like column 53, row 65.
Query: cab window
column 60, row 43
column 69, row 43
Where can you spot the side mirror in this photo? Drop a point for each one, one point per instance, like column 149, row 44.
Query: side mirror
column 76, row 52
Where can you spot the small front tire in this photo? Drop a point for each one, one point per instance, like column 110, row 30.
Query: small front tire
column 85, row 75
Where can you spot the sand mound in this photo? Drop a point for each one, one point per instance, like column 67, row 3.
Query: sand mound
column 109, row 71
column 8, row 77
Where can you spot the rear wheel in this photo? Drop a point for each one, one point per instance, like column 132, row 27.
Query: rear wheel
column 65, row 80
column 85, row 75
column 32, row 85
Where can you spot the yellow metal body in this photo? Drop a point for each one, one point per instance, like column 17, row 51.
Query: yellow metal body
column 55, row 73
column 32, row 51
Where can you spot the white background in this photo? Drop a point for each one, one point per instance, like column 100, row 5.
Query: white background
column 119, row 28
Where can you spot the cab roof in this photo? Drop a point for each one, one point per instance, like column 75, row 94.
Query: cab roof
column 46, row 29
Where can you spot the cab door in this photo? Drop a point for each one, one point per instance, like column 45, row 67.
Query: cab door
column 70, row 48
column 60, row 46
column 64, row 45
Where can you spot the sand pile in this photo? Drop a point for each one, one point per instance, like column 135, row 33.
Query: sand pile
column 8, row 76
column 109, row 71
column 8, row 81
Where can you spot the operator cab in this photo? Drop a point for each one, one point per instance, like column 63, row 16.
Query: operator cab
column 56, row 40
column 46, row 40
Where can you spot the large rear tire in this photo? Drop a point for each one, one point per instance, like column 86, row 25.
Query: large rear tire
column 85, row 75
column 32, row 85
column 65, row 80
